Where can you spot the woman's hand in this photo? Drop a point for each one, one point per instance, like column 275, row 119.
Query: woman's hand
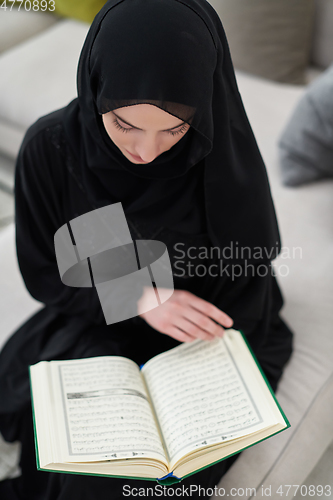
column 184, row 316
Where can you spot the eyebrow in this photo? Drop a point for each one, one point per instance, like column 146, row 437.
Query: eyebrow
column 137, row 128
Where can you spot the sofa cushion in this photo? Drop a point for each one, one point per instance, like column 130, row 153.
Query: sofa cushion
column 268, row 38
column 16, row 26
column 306, row 144
column 39, row 76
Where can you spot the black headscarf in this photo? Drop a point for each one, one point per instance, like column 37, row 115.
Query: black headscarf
column 172, row 54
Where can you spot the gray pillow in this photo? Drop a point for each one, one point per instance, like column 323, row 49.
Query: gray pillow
column 306, row 144
column 269, row 38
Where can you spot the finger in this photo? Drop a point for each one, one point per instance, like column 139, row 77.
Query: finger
column 203, row 322
column 178, row 334
column 209, row 310
column 192, row 329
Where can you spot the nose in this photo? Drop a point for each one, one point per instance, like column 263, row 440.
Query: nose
column 148, row 148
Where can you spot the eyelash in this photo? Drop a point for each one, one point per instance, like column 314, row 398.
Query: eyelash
column 180, row 131
column 119, row 127
column 123, row 129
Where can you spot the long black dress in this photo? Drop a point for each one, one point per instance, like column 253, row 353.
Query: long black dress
column 71, row 325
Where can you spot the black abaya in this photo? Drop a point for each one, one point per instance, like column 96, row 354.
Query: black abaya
column 72, row 324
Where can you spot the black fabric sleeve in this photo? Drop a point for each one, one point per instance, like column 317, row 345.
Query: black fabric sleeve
column 39, row 212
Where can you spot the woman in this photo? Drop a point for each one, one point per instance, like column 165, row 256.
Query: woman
column 160, row 127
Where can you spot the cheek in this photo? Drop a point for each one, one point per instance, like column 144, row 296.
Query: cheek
column 119, row 138
column 116, row 136
column 167, row 141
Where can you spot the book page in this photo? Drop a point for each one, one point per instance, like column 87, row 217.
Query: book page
column 106, row 410
column 199, row 396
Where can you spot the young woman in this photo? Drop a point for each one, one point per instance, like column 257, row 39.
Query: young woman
column 160, row 127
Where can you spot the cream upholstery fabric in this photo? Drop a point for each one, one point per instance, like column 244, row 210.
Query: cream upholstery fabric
column 16, row 26
column 40, row 76
column 271, row 38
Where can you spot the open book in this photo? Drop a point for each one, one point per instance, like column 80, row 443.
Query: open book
column 184, row 410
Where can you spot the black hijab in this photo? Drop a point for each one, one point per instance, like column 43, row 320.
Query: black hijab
column 172, row 54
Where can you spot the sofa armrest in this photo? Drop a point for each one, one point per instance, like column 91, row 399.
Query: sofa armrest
column 303, row 270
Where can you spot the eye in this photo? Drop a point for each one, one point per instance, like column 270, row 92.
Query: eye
column 120, row 127
column 183, row 129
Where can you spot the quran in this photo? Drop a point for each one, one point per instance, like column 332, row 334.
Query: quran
column 182, row 411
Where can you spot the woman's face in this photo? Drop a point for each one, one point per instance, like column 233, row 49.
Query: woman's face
column 143, row 131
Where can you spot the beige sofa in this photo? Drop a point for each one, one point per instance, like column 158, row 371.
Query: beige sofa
column 304, row 269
